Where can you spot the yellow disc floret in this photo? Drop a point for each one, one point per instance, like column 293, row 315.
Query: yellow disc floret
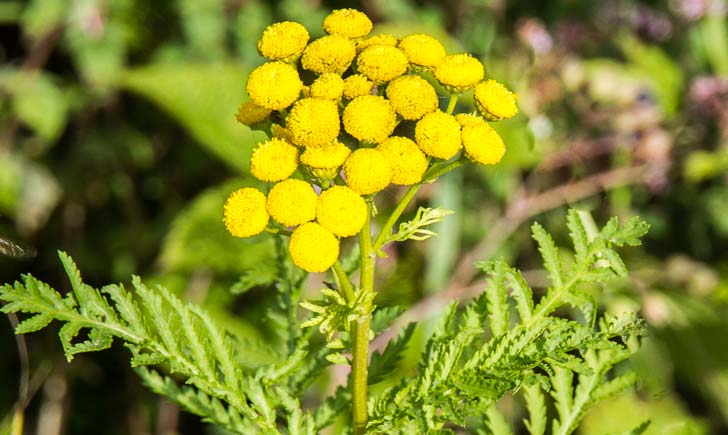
column 367, row 171
column 283, row 41
column 469, row 119
column 347, row 22
column 408, row 161
column 245, row 214
column 274, row 160
column 313, row 248
column 381, row 39
column 459, row 72
column 328, row 54
column 412, row 96
column 341, row 211
column 438, row 135
column 329, row 86
column 251, row 114
column 369, row 118
column 327, row 156
column 381, row 63
column 494, row 101
column 422, row 50
column 482, row 144
column 292, row 202
column 274, row 85
column 313, row 122
column 357, row 85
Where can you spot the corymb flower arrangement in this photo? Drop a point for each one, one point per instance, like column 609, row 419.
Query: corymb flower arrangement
column 347, row 115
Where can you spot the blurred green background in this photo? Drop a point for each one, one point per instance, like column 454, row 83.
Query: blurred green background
column 118, row 145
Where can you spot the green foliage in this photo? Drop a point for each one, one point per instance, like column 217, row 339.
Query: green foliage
column 197, row 238
column 199, row 96
column 166, row 336
column 415, row 229
column 463, row 372
column 475, row 355
column 37, row 101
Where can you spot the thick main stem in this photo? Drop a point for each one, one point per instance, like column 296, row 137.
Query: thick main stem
column 359, row 373
column 360, row 348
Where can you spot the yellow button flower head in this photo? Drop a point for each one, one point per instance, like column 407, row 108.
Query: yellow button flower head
column 273, row 160
column 313, row 122
column 494, row 101
column 422, row 50
column 408, row 161
column 381, row 63
column 357, row 85
column 412, row 96
column 328, row 54
column 313, row 248
column 367, row 171
column 341, row 211
column 349, row 23
column 283, row 41
column 245, row 214
column 292, row 202
column 329, row 86
column 482, row 144
column 327, row 156
column 469, row 119
column 459, row 72
column 438, row 135
column 274, row 85
column 381, row 39
column 370, row 118
column 251, row 114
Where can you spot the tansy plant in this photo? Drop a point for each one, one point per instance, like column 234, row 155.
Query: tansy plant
column 347, row 115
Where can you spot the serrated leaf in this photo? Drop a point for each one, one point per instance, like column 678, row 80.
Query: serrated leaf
column 337, row 358
column 578, row 234
column 415, row 228
column 630, row 233
column 497, row 423
column 383, row 364
column 614, row 387
column 383, row 317
column 615, row 262
column 34, row 323
column 536, row 407
column 498, row 309
column 549, row 253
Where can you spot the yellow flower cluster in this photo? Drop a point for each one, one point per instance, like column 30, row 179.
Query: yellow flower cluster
column 347, row 115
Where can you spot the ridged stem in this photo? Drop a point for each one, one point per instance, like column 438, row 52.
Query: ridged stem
column 360, row 333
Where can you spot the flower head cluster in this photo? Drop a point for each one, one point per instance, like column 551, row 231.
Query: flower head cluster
column 347, row 115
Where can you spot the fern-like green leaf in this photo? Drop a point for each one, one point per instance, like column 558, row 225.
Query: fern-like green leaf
column 496, row 293
column 497, row 423
column 385, row 363
column 549, row 253
column 536, row 407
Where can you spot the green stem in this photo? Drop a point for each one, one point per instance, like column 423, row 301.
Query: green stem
column 451, row 104
column 367, row 252
column 438, row 170
column 344, row 282
column 396, row 213
column 359, row 373
column 433, row 173
column 360, row 348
